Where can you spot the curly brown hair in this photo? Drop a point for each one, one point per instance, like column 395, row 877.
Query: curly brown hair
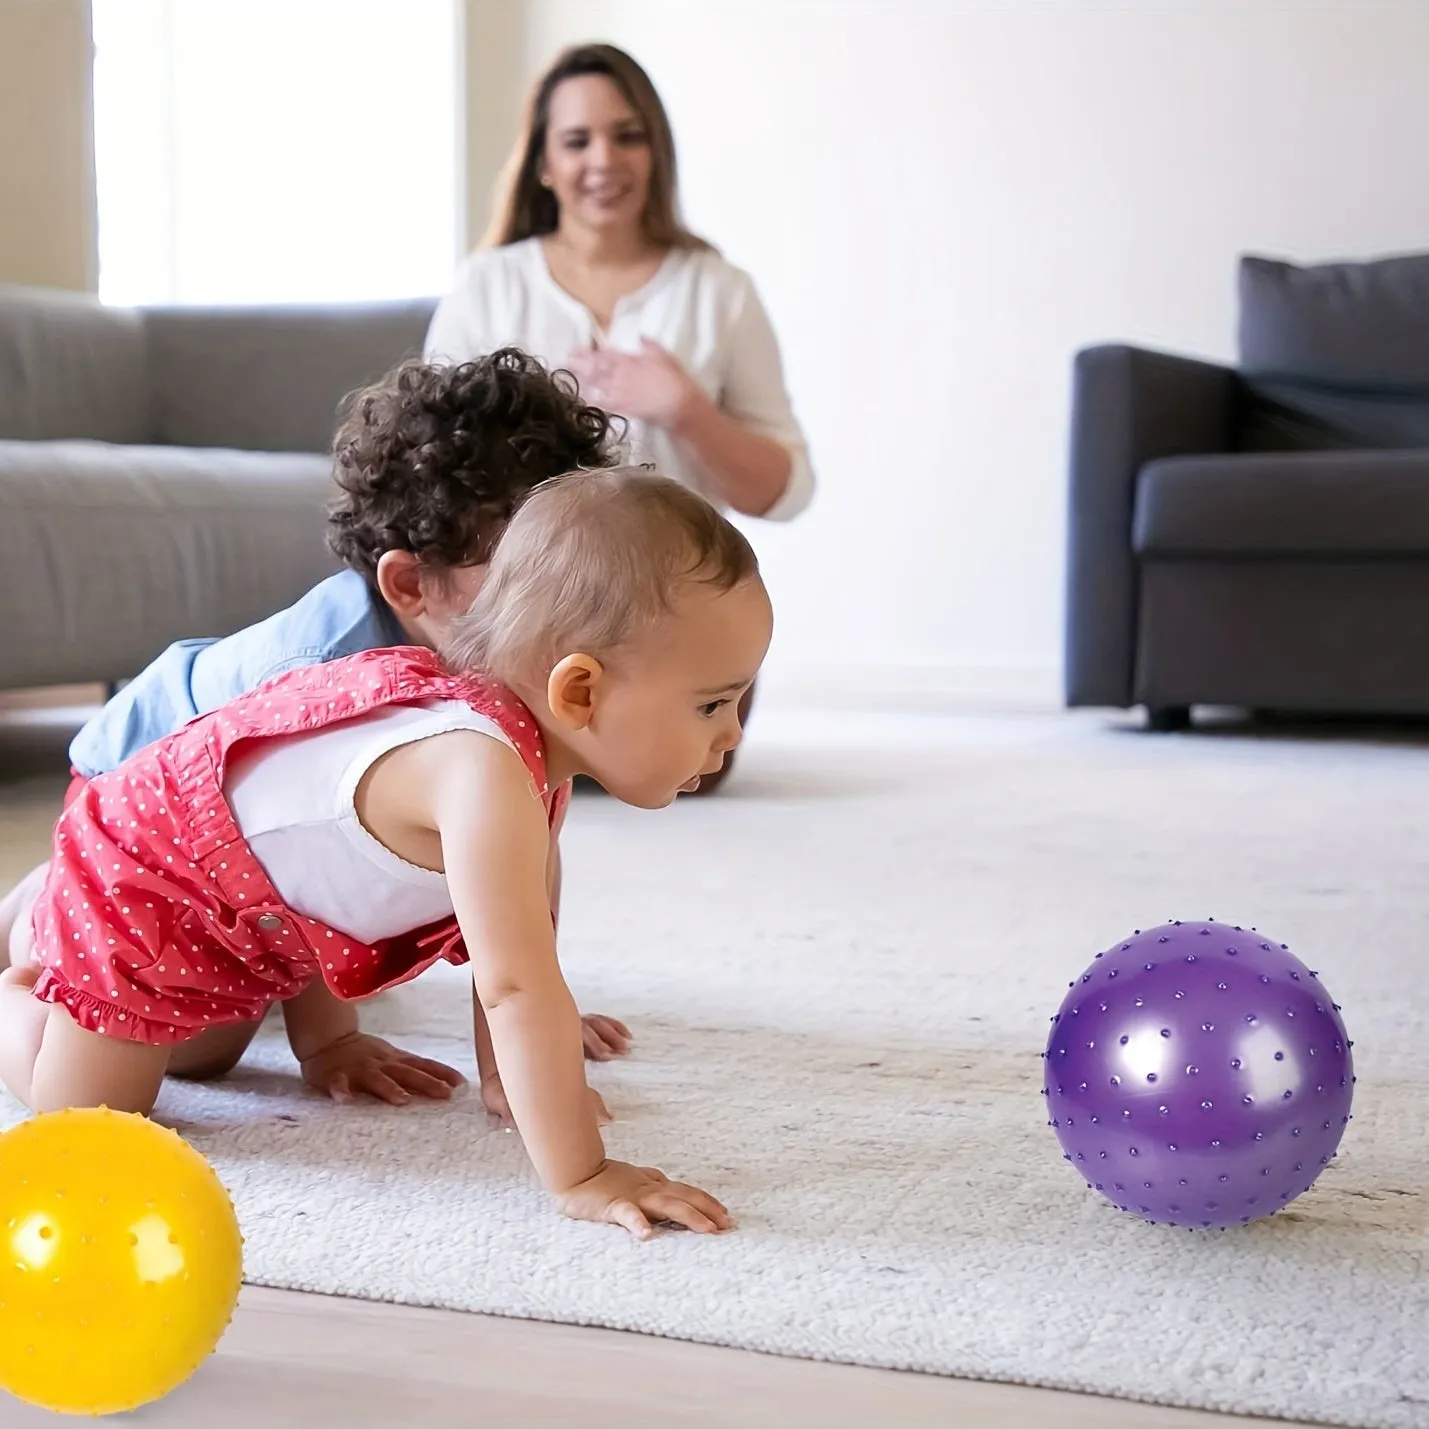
column 435, row 459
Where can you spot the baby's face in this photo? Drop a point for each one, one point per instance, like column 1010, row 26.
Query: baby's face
column 666, row 711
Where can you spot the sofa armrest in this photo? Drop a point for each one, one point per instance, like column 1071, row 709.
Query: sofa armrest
column 1129, row 406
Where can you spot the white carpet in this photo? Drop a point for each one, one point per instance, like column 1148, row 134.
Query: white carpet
column 840, row 976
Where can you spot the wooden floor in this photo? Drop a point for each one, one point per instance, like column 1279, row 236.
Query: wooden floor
column 304, row 1360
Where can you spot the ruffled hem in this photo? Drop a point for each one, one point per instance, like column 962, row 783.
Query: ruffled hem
column 111, row 1018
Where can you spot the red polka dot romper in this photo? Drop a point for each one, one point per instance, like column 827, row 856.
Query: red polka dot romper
column 157, row 921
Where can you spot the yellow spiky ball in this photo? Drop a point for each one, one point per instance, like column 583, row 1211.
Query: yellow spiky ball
column 120, row 1261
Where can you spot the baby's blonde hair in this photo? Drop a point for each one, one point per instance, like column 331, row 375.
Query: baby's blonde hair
column 590, row 562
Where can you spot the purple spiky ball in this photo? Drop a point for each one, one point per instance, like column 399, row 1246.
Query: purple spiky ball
column 1198, row 1075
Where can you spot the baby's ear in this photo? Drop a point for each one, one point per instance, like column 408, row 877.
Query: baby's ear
column 571, row 690
column 399, row 578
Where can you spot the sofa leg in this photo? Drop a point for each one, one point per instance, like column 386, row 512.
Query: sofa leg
column 1168, row 719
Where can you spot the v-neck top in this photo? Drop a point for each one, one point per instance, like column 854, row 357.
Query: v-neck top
column 703, row 309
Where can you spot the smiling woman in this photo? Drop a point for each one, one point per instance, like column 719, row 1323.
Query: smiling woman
column 588, row 265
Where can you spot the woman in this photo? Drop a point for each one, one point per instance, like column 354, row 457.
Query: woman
column 588, row 266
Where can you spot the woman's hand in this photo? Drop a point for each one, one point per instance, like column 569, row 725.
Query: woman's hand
column 633, row 1196
column 746, row 469
column 358, row 1063
column 649, row 385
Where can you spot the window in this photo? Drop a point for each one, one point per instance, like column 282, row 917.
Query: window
column 276, row 151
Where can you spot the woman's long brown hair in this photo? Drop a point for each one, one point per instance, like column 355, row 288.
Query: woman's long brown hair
column 523, row 208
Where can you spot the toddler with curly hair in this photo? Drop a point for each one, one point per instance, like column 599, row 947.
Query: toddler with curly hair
column 345, row 826
column 431, row 461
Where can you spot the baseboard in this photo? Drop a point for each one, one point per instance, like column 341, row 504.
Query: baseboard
column 928, row 688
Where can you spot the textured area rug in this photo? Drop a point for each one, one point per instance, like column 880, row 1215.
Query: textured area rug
column 840, row 974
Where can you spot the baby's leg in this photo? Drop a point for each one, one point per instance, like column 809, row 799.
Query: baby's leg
column 214, row 1053
column 22, row 1029
column 49, row 1061
column 16, row 941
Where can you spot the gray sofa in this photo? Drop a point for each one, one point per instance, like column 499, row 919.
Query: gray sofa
column 163, row 472
column 1258, row 536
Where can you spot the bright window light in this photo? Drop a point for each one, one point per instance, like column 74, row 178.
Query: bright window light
column 275, row 151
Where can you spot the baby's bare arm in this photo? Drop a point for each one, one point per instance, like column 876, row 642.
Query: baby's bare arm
column 315, row 1018
column 553, row 881
column 604, row 1037
column 495, row 844
column 495, row 850
column 338, row 1058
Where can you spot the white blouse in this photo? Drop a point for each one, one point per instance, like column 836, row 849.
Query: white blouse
column 704, row 310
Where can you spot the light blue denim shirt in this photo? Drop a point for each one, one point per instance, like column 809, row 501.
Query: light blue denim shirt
column 341, row 616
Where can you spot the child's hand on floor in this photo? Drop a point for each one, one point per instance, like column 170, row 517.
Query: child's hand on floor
column 604, row 1037
column 493, row 1098
column 359, row 1063
column 633, row 1196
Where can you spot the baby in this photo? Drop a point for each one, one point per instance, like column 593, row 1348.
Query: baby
column 429, row 463
column 347, row 825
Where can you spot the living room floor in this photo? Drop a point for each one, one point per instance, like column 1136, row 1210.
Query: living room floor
column 291, row 1359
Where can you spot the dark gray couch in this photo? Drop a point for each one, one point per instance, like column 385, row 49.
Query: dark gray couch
column 163, row 473
column 1259, row 536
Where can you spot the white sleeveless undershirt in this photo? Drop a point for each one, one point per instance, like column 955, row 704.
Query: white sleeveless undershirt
column 293, row 801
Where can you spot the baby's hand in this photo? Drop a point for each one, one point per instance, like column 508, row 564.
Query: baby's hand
column 358, row 1063
column 493, row 1098
column 604, row 1037
column 632, row 1196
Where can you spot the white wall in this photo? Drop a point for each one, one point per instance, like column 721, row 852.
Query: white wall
column 941, row 202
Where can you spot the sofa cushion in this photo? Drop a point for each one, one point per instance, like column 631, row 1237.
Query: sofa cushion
column 108, row 553
column 1306, row 504
column 70, row 367
column 271, row 379
column 1337, row 355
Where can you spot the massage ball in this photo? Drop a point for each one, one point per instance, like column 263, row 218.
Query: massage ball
column 1198, row 1075
column 121, row 1261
